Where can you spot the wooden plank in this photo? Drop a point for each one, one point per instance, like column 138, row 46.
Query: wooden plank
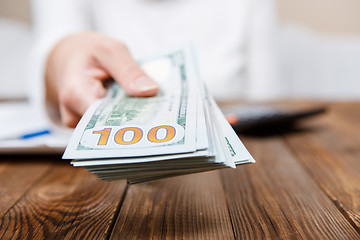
column 68, row 203
column 17, row 177
column 276, row 199
column 187, row 207
column 331, row 154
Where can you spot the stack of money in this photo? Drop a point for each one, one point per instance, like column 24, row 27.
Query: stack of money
column 179, row 131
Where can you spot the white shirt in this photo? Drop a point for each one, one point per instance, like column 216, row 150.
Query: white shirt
column 232, row 37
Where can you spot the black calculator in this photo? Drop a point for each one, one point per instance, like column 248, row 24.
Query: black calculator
column 266, row 118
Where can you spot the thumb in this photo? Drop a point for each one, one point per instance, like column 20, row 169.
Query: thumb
column 116, row 59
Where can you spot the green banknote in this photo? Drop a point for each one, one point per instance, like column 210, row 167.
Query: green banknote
column 179, row 131
column 122, row 126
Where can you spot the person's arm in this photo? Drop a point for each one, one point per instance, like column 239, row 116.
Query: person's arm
column 51, row 21
column 73, row 64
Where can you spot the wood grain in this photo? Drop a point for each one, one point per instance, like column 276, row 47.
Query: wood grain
column 305, row 185
column 187, row 207
column 68, row 203
column 276, row 199
column 17, row 177
column 331, row 154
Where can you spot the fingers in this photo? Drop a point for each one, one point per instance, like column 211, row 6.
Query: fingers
column 75, row 99
column 68, row 117
column 232, row 118
column 77, row 78
column 116, row 59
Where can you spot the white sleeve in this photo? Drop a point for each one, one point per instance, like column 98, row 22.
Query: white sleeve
column 263, row 82
column 52, row 21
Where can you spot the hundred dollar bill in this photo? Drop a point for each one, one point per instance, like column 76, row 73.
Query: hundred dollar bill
column 121, row 126
column 202, row 144
column 229, row 152
column 179, row 131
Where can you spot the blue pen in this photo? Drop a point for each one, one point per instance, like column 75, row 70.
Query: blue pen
column 35, row 134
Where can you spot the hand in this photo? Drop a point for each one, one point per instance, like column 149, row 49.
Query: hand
column 232, row 118
column 78, row 67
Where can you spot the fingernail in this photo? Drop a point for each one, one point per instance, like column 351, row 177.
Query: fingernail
column 143, row 84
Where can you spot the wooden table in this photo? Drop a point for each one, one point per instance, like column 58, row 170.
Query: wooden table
column 305, row 185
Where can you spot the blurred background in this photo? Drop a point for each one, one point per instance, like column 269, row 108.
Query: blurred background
column 318, row 48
